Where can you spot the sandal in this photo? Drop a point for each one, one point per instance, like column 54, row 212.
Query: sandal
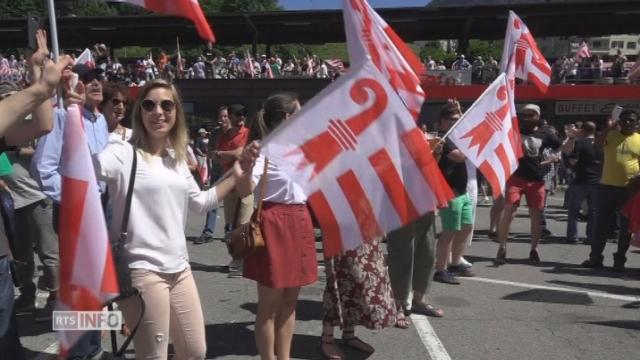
column 329, row 349
column 349, row 339
column 426, row 309
column 402, row 322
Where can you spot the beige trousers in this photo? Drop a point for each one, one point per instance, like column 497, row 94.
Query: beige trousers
column 246, row 208
column 172, row 311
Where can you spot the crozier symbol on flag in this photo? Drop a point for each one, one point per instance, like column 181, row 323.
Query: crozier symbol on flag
column 521, row 48
column 356, row 152
column 369, row 35
column 487, row 137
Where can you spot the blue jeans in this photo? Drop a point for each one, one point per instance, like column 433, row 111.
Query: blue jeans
column 210, row 223
column 8, row 214
column 9, row 338
column 576, row 195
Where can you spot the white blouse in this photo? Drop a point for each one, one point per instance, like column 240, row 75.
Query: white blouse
column 279, row 187
column 162, row 194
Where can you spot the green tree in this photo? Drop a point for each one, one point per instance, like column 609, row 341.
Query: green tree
column 437, row 53
column 485, row 49
column 20, row 8
column 87, row 8
column 249, row 5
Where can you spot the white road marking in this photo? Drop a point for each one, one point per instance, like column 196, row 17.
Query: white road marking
column 50, row 352
column 434, row 346
column 543, row 287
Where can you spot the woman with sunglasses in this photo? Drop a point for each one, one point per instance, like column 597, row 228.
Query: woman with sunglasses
column 288, row 261
column 156, row 249
column 114, row 109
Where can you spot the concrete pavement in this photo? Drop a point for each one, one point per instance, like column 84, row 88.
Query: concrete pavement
column 552, row 311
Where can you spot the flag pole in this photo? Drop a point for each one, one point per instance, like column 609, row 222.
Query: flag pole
column 53, row 27
column 179, row 62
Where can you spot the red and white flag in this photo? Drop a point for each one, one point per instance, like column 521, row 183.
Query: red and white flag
column 584, row 51
column 87, row 274
column 521, row 48
column 488, row 137
column 189, row 9
column 86, row 58
column 369, row 35
column 248, row 64
column 356, row 152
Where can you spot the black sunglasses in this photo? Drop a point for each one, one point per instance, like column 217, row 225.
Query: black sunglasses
column 116, row 102
column 150, row 105
column 91, row 76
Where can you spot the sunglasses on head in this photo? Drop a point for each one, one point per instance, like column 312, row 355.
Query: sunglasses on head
column 165, row 105
column 116, row 102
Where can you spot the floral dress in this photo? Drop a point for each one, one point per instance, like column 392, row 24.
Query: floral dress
column 358, row 289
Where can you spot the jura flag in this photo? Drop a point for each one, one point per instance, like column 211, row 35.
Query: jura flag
column 87, row 274
column 369, row 35
column 86, row 58
column 487, row 137
column 521, row 48
column 356, row 152
column 189, row 9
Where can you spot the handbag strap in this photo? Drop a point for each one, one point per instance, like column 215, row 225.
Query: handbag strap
column 260, row 197
column 127, row 206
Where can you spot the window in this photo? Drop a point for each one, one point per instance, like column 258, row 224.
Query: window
column 617, row 44
column 631, row 45
column 597, row 44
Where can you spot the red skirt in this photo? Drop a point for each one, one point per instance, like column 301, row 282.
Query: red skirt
column 289, row 258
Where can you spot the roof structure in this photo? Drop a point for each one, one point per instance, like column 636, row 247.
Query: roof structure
column 556, row 18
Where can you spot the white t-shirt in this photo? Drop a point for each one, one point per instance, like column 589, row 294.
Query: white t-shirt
column 279, row 188
column 114, row 136
column 161, row 197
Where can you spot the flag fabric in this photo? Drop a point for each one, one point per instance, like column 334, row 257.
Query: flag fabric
column 369, row 35
column 357, row 153
column 87, row 274
column 248, row 64
column 189, row 9
column 584, row 51
column 86, row 58
column 486, row 135
column 521, row 48
column 179, row 65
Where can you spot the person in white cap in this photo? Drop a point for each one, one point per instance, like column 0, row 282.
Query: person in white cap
column 528, row 179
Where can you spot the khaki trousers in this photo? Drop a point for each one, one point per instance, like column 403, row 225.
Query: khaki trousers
column 246, row 208
column 172, row 310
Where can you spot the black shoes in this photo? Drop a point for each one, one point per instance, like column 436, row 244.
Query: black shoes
column 592, row 263
column 534, row 258
column 501, row 256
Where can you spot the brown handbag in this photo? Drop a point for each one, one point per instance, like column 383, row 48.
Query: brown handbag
column 246, row 239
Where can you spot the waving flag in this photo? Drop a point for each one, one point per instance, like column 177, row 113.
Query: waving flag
column 358, row 155
column 521, row 48
column 189, row 9
column 584, row 51
column 487, row 136
column 86, row 58
column 87, row 274
column 369, row 35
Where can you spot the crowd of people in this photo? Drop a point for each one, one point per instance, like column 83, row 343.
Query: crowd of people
column 208, row 65
column 174, row 174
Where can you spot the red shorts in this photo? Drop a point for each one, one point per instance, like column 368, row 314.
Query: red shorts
column 533, row 190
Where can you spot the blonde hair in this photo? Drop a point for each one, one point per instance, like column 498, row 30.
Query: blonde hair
column 178, row 136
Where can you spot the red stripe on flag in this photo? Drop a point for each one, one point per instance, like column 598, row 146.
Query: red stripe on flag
column 331, row 237
column 541, row 85
column 70, row 221
column 408, row 54
column 392, row 182
column 492, row 178
column 420, row 152
column 109, row 277
column 504, row 160
column 360, row 205
column 514, row 138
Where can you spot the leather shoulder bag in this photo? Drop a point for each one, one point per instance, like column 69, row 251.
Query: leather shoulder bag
column 246, row 239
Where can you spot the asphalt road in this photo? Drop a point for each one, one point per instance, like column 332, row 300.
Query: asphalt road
column 555, row 310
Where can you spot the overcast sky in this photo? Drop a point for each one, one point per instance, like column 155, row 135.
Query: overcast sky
column 337, row 4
